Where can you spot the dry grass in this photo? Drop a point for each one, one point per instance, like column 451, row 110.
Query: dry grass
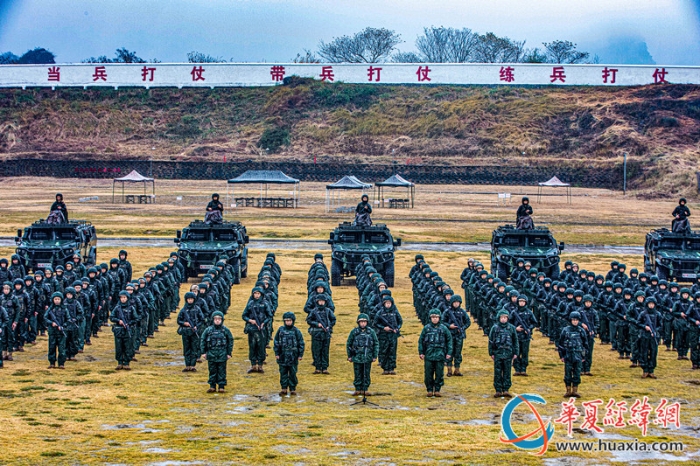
column 443, row 212
column 89, row 414
column 444, row 125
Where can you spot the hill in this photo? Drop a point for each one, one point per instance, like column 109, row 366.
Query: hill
column 657, row 126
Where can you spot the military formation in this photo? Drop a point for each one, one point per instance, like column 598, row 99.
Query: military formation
column 633, row 314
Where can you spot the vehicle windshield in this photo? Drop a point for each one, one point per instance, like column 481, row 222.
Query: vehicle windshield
column 48, row 234
column 350, row 237
column 224, row 235
column 376, row 238
column 540, row 241
column 516, row 240
column 197, row 235
column 693, row 244
column 671, row 243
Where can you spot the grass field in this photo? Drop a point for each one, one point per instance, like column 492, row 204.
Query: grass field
column 90, row 414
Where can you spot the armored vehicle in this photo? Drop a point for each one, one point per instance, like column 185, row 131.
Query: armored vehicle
column 42, row 244
column 349, row 243
column 672, row 256
column 537, row 246
column 202, row 245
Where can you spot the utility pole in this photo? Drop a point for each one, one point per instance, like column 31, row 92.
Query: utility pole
column 624, row 173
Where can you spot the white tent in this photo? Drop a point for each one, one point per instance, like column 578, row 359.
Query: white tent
column 347, row 182
column 554, row 182
column 134, row 177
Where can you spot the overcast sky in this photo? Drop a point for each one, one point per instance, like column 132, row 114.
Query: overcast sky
column 620, row 31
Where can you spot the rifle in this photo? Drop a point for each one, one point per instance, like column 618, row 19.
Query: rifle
column 123, row 319
column 648, row 322
column 186, row 315
column 60, row 327
column 516, row 314
column 584, row 318
column 325, row 329
column 388, row 324
column 255, row 318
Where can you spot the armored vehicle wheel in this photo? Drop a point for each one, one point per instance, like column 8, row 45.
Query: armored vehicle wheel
column 389, row 274
column 336, row 273
column 237, row 272
column 662, row 273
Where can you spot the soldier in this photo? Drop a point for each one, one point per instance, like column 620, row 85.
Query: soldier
column 524, row 322
column 362, row 349
column 16, row 268
column 4, row 323
column 434, row 348
column 125, row 265
column 4, row 271
column 694, row 331
column 650, row 321
column 71, row 327
column 21, row 320
column 457, row 321
column 56, row 318
column 321, row 321
column 69, row 274
column 60, row 206
column 524, row 211
column 680, row 312
column 680, row 217
column 35, row 303
column 589, row 315
column 256, row 316
column 217, row 346
column 633, row 311
column 190, row 320
column 572, row 346
column 122, row 318
column 387, row 324
column 78, row 266
column 503, row 349
column 289, row 351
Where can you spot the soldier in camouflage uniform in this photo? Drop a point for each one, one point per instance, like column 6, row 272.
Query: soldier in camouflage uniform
column 572, row 346
column 362, row 349
column 387, row 325
column 289, row 351
column 457, row 321
column 216, row 347
column 435, row 348
column 190, row 321
column 503, row 349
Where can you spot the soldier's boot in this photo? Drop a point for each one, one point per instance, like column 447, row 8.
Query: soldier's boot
column 449, row 371
column 119, row 367
column 574, row 391
column 568, row 392
column 385, row 373
column 506, row 395
column 457, row 373
column 497, row 395
column 252, row 369
column 52, row 366
column 317, row 371
column 355, row 393
column 211, row 390
column 293, row 393
column 430, row 394
column 437, row 395
column 644, row 375
column 260, row 369
column 651, row 375
column 222, row 389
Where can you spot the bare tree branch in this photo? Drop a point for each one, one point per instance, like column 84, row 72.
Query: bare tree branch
column 371, row 45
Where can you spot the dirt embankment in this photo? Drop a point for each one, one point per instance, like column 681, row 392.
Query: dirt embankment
column 657, row 126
